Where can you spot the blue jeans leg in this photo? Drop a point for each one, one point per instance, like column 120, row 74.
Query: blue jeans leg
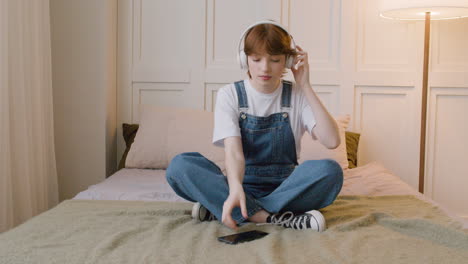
column 312, row 185
column 197, row 179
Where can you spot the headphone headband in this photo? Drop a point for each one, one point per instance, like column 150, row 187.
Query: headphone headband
column 242, row 57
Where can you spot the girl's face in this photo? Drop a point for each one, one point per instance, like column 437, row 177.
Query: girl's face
column 266, row 70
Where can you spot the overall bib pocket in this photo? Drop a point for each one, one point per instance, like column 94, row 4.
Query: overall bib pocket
column 262, row 145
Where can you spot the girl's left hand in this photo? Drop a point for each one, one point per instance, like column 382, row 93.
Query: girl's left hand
column 300, row 69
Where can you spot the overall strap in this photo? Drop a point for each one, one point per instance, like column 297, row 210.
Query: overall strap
column 241, row 94
column 286, row 94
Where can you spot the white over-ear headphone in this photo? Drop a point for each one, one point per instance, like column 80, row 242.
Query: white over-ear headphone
column 242, row 57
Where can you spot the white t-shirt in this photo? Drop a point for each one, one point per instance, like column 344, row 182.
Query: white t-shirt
column 226, row 116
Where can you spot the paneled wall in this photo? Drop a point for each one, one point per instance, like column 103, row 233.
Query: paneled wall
column 178, row 53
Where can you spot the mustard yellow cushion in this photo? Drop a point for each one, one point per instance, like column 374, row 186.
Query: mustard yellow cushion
column 352, row 142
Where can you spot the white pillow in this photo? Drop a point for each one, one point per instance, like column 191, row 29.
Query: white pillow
column 165, row 132
column 313, row 150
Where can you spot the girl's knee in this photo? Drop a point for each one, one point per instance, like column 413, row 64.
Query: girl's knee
column 189, row 166
column 331, row 165
column 334, row 176
column 179, row 165
column 330, row 169
column 334, row 168
column 181, row 160
column 334, row 172
column 328, row 165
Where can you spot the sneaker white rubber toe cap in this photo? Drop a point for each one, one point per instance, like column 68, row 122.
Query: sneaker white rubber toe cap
column 317, row 220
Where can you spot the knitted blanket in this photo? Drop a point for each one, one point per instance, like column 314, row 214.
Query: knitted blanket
column 361, row 229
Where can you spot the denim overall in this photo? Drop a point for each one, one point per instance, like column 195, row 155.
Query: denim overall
column 268, row 144
column 272, row 180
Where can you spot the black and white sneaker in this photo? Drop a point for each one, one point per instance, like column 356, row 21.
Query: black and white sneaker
column 309, row 220
column 201, row 214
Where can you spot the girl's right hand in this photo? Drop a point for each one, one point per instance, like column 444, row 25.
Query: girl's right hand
column 235, row 199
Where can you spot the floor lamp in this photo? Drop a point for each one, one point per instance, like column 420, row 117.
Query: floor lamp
column 423, row 10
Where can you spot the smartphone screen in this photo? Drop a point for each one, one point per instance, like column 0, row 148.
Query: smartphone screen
column 242, row 237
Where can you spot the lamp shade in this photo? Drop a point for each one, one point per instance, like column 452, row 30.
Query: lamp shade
column 416, row 9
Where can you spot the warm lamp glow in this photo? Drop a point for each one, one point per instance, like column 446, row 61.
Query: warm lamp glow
column 416, row 9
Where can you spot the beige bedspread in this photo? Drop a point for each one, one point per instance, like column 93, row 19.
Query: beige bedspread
column 361, row 229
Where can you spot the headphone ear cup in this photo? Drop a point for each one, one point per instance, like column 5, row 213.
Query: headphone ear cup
column 243, row 60
column 289, row 61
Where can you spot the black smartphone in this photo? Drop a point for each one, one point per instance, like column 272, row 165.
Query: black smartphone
column 242, row 237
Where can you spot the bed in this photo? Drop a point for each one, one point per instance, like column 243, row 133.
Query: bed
column 135, row 217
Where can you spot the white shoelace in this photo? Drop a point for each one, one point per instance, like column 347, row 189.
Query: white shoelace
column 300, row 222
column 287, row 219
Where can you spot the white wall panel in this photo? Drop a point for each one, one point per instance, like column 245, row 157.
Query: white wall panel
column 447, row 178
column 384, row 118
column 161, row 94
column 167, row 53
column 383, row 44
column 330, row 97
column 316, row 27
column 446, row 155
column 160, row 54
column 211, row 90
column 386, row 106
column 448, row 55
